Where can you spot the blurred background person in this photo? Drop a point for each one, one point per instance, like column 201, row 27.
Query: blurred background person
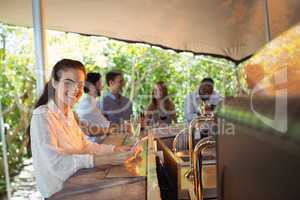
column 92, row 121
column 204, row 94
column 161, row 109
column 115, row 107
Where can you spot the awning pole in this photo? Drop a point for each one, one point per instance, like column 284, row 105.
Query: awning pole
column 39, row 43
column 4, row 153
column 267, row 21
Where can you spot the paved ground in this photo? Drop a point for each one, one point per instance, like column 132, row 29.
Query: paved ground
column 24, row 185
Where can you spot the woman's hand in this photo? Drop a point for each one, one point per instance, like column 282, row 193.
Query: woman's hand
column 120, row 158
column 136, row 153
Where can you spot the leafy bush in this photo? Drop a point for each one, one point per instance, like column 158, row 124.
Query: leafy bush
column 16, row 94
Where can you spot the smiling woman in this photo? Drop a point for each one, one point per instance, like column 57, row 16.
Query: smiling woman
column 58, row 145
column 63, row 84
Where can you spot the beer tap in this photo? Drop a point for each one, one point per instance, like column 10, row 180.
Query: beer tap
column 203, row 118
column 205, row 143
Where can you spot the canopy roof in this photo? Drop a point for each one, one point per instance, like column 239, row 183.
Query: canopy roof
column 229, row 28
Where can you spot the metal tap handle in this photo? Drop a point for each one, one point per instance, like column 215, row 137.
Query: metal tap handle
column 194, row 122
column 205, row 143
column 177, row 140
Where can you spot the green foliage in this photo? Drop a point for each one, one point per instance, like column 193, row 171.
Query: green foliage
column 142, row 65
column 16, row 94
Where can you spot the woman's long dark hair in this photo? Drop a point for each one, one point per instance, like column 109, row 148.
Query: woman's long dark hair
column 168, row 105
column 49, row 91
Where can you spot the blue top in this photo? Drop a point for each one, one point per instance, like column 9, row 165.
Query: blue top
column 116, row 109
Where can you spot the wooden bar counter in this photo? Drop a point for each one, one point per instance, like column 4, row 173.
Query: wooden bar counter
column 136, row 180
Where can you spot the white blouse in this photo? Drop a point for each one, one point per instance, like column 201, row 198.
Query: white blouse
column 59, row 148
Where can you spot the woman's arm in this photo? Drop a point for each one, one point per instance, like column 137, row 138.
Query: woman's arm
column 102, row 149
column 149, row 115
column 92, row 130
column 113, row 159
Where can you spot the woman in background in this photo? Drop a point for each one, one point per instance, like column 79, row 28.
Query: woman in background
column 161, row 109
column 58, row 145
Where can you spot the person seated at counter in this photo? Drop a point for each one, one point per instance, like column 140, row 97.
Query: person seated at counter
column 92, row 121
column 58, row 145
column 161, row 109
column 114, row 106
column 206, row 93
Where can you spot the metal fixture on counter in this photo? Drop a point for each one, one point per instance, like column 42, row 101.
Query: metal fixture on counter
column 204, row 144
column 195, row 123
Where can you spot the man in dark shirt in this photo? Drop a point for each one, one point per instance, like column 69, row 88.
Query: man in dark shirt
column 114, row 106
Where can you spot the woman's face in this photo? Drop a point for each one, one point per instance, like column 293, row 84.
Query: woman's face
column 69, row 88
column 95, row 89
column 158, row 92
